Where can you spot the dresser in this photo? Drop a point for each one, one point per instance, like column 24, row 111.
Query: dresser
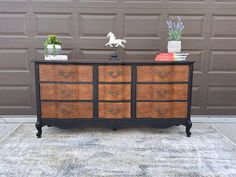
column 114, row 94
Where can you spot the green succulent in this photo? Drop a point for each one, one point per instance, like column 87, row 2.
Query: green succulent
column 51, row 40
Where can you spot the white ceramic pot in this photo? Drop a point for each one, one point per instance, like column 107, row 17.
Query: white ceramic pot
column 50, row 49
column 174, row 46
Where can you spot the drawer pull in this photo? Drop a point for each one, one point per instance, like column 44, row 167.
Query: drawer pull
column 67, row 111
column 66, row 74
column 114, row 92
column 162, row 111
column 114, row 74
column 164, row 74
column 66, row 92
column 114, row 111
column 163, row 93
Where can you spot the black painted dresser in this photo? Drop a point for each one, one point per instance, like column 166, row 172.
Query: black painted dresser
column 114, row 94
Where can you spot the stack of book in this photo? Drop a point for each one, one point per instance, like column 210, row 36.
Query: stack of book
column 171, row 56
column 56, row 57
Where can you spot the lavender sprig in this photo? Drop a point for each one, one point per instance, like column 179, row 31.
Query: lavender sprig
column 175, row 29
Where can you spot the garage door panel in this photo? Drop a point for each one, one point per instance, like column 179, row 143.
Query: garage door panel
column 15, row 78
column 209, row 37
column 91, row 54
column 140, row 54
column 223, row 61
column 14, row 59
column 9, row 21
column 60, row 24
column 227, row 95
column 194, row 25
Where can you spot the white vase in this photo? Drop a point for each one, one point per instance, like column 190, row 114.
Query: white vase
column 174, row 46
column 50, row 49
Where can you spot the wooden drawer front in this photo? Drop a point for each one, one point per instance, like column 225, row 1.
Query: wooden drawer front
column 162, row 73
column 114, row 110
column 162, row 110
column 66, row 110
column 114, row 92
column 162, row 91
column 114, row 74
column 66, row 73
column 66, row 91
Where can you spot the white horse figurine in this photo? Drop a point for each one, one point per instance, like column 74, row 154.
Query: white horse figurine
column 114, row 42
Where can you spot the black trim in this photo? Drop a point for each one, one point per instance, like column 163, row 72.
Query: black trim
column 162, row 82
column 133, row 91
column 58, row 82
column 114, row 82
column 113, row 62
column 114, row 123
column 190, row 90
column 37, row 87
column 95, row 91
column 115, row 101
column 161, row 100
column 66, row 100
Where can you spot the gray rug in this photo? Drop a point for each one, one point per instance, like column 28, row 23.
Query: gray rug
column 126, row 152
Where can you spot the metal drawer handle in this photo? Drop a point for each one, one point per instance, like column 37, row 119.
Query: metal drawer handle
column 114, row 92
column 114, row 111
column 162, row 92
column 66, row 112
column 164, row 74
column 115, row 74
column 66, row 92
column 66, row 74
column 162, row 111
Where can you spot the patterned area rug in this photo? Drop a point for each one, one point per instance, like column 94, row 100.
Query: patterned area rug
column 126, row 152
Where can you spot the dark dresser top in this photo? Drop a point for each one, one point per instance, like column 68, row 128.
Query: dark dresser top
column 112, row 62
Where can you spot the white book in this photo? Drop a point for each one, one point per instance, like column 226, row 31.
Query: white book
column 56, row 57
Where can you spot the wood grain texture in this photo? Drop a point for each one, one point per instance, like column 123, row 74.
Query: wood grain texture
column 114, row 73
column 161, row 110
column 66, row 73
column 163, row 73
column 114, row 92
column 67, row 110
column 66, row 91
column 114, row 110
column 162, row 91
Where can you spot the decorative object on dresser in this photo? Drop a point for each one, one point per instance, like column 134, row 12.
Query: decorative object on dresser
column 52, row 46
column 175, row 30
column 113, row 94
column 114, row 43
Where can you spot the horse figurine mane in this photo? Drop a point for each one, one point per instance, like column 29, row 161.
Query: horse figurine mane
column 113, row 42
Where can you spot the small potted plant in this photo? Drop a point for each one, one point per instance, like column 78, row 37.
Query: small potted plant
column 52, row 46
column 175, row 29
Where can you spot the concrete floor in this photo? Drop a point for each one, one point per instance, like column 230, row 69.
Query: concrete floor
column 227, row 128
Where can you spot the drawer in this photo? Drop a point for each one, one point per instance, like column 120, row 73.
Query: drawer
column 162, row 91
column 67, row 110
column 164, row 73
column 114, row 73
column 114, row 110
column 66, row 73
column 114, row 92
column 66, row 91
column 161, row 110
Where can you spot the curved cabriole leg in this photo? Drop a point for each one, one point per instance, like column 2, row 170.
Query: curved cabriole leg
column 38, row 126
column 188, row 127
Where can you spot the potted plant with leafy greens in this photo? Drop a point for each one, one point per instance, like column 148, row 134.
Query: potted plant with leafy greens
column 175, row 29
column 52, row 46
